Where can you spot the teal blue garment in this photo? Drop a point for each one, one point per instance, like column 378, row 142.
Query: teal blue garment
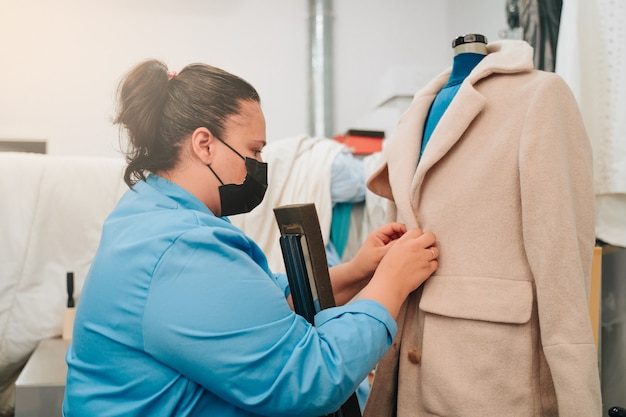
column 347, row 186
column 461, row 67
column 340, row 226
column 180, row 316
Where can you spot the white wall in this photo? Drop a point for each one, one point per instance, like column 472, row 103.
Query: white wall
column 61, row 61
column 394, row 47
column 487, row 17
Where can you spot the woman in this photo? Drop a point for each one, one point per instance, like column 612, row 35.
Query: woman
column 180, row 314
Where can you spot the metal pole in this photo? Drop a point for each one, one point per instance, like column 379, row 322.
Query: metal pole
column 320, row 79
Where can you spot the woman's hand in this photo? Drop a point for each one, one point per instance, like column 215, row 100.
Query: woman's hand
column 407, row 264
column 350, row 277
column 375, row 247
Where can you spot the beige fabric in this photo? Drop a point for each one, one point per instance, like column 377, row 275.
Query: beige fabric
column 505, row 183
column 299, row 171
column 52, row 209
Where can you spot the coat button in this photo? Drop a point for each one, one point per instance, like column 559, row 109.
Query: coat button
column 415, row 356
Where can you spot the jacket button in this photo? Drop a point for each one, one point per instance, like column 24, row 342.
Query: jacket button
column 415, row 356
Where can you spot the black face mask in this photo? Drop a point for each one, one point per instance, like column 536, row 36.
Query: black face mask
column 242, row 198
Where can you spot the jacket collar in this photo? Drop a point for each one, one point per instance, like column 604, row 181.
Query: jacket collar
column 401, row 153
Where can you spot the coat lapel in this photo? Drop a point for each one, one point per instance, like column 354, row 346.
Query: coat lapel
column 402, row 151
column 464, row 108
column 402, row 154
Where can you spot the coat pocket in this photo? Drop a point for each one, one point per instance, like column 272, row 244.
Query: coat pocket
column 477, row 346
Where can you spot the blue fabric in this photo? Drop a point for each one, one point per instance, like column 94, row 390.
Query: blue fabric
column 180, row 315
column 461, row 67
column 347, row 186
column 340, row 226
column 331, row 255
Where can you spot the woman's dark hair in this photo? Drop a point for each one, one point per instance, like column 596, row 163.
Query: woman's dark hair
column 159, row 109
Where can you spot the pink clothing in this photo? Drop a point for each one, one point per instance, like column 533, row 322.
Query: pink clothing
column 505, row 183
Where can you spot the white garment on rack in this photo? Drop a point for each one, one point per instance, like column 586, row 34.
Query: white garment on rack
column 368, row 215
column 591, row 57
column 299, row 171
column 52, row 209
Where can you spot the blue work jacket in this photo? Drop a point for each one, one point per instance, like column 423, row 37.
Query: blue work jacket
column 180, row 316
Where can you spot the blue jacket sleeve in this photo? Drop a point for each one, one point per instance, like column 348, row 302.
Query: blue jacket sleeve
column 218, row 318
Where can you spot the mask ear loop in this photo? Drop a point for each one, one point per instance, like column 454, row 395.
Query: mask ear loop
column 231, row 148
column 218, row 178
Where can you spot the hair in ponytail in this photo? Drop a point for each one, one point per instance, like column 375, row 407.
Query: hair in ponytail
column 159, row 109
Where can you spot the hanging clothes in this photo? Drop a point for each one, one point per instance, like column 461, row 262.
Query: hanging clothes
column 300, row 171
column 592, row 59
column 540, row 20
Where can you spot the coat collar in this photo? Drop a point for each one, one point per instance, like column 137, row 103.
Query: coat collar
column 401, row 153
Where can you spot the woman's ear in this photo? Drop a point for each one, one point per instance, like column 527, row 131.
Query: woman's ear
column 201, row 141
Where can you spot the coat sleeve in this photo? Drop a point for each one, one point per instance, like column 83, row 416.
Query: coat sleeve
column 558, row 229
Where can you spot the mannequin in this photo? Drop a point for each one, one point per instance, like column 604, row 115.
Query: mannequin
column 505, row 182
column 469, row 50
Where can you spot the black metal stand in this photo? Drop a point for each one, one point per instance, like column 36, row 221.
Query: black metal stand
column 307, row 271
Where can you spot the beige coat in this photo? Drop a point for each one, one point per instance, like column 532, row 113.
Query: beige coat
column 502, row 328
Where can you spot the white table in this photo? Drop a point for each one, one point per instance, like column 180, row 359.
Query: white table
column 40, row 386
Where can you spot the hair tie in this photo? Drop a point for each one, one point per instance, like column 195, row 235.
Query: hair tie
column 171, row 74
